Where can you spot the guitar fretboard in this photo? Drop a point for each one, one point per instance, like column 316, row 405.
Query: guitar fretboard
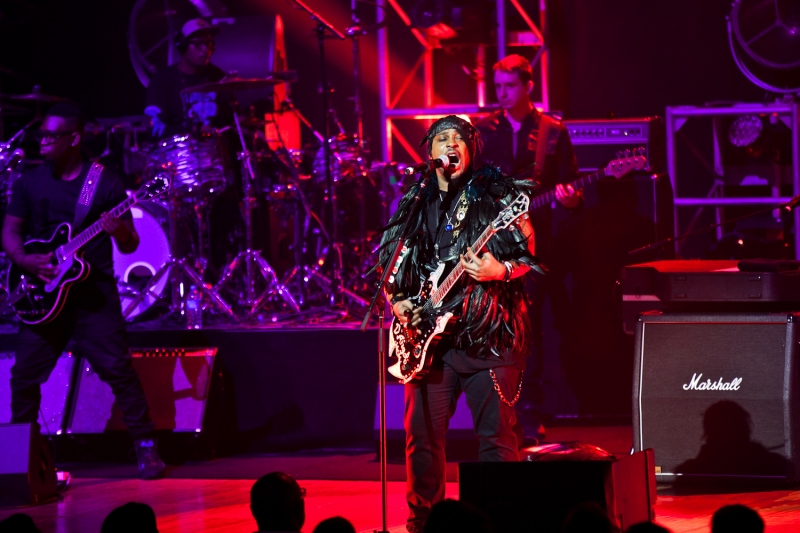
column 550, row 197
column 86, row 235
column 451, row 279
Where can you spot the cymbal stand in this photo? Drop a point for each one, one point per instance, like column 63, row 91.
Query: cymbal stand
column 249, row 259
column 302, row 274
column 324, row 27
column 181, row 276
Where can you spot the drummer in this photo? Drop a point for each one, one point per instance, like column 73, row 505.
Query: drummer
column 174, row 112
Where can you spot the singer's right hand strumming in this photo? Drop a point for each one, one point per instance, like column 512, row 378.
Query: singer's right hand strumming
column 403, row 309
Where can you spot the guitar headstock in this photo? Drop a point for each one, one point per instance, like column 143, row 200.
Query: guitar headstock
column 626, row 161
column 515, row 209
column 155, row 187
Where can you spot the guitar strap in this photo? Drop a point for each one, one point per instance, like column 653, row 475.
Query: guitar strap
column 546, row 124
column 86, row 197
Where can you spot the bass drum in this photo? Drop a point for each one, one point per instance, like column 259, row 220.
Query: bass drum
column 134, row 271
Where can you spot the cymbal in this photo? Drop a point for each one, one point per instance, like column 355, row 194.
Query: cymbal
column 36, row 95
column 235, row 83
column 252, row 122
column 8, row 109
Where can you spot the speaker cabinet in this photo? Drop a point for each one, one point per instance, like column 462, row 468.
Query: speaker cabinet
column 55, row 392
column 27, row 472
column 538, row 496
column 716, row 395
column 176, row 383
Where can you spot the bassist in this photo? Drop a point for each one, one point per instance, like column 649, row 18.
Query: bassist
column 484, row 355
column 91, row 318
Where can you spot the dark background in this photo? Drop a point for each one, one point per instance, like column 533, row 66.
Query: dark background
column 622, row 57
column 626, row 57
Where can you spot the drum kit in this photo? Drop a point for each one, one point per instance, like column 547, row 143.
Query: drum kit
column 327, row 273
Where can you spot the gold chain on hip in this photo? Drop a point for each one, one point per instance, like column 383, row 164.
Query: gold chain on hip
column 500, row 393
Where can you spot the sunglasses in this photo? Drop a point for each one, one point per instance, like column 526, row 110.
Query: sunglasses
column 52, row 136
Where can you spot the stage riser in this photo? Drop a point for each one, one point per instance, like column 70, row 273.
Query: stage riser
column 291, row 388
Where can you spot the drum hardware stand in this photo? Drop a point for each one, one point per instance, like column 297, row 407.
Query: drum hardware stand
column 181, row 276
column 250, row 259
column 322, row 28
column 302, row 275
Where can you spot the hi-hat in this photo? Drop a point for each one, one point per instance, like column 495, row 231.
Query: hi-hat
column 36, row 95
column 8, row 109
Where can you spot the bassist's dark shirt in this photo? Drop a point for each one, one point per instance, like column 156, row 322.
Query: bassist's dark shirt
column 45, row 201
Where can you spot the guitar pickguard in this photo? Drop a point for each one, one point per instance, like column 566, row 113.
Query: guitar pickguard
column 412, row 346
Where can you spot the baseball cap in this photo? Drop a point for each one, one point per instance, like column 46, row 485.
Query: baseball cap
column 196, row 26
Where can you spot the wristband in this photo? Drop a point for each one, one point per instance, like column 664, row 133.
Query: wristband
column 509, row 270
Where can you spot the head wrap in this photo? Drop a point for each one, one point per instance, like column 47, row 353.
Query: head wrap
column 470, row 134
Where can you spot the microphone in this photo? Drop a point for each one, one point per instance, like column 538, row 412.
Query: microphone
column 441, row 161
column 792, row 204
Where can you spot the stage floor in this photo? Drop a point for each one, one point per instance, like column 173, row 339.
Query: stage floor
column 219, row 505
column 214, row 495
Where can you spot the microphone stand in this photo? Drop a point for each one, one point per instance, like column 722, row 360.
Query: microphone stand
column 788, row 206
column 387, row 272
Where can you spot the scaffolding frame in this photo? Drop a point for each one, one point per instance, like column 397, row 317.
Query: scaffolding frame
column 388, row 102
column 676, row 117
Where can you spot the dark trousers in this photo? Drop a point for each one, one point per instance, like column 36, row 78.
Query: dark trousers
column 429, row 405
column 93, row 321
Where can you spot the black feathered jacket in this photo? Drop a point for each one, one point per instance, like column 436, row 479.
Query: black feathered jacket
column 492, row 316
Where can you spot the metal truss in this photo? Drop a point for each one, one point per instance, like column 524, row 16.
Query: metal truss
column 390, row 112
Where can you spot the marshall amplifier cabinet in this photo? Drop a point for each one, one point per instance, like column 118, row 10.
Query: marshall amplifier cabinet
column 597, row 142
column 716, row 396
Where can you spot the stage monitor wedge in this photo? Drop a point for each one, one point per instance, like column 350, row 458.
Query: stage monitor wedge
column 539, row 495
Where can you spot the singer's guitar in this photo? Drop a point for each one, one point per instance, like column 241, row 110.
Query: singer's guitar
column 36, row 301
column 413, row 346
column 631, row 160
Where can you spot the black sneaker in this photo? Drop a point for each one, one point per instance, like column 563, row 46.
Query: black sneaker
column 147, row 459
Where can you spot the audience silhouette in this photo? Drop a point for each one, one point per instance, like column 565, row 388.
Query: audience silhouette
column 276, row 501
column 736, row 519
column 132, row 517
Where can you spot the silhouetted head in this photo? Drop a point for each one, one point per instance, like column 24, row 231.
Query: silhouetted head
column 588, row 516
column 647, row 527
column 276, row 501
column 453, row 516
column 736, row 519
column 336, row 524
column 726, row 422
column 130, row 518
column 18, row 523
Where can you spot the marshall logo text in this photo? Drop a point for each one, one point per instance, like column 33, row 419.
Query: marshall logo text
column 696, row 384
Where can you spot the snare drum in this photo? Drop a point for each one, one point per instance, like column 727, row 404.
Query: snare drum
column 133, row 271
column 197, row 164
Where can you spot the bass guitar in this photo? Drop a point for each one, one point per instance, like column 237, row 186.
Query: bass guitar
column 625, row 162
column 412, row 346
column 37, row 301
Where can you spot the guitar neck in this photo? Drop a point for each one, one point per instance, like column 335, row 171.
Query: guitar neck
column 451, row 279
column 550, row 196
column 86, row 235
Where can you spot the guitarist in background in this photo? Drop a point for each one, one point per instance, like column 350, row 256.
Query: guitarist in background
column 41, row 200
column 518, row 138
column 484, row 355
